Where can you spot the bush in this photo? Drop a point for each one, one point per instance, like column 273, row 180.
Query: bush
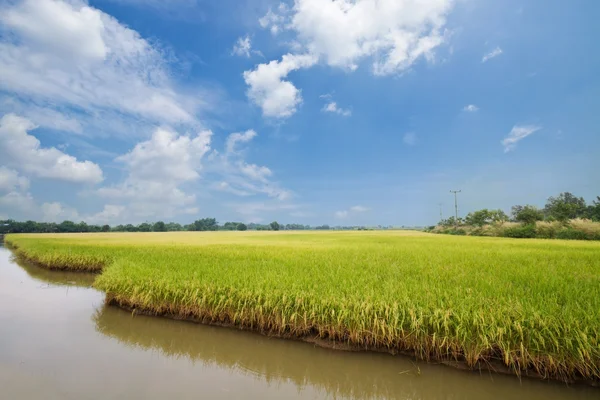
column 571, row 234
column 524, row 231
column 547, row 230
column 590, row 228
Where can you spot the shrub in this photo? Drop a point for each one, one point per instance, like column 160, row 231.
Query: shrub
column 571, row 234
column 523, row 231
column 590, row 228
column 546, row 229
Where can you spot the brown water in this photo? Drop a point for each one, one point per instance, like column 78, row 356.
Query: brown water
column 58, row 341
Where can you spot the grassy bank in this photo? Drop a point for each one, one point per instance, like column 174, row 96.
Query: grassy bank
column 532, row 305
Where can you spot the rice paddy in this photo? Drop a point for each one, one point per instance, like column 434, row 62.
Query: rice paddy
column 532, row 306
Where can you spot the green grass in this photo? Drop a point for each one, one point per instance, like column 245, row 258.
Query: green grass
column 533, row 305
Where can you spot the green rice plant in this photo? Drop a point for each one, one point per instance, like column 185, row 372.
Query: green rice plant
column 533, row 306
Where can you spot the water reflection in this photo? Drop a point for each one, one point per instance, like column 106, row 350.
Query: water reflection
column 339, row 374
column 58, row 278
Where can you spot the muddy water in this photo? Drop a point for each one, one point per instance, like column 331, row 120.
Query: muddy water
column 58, row 341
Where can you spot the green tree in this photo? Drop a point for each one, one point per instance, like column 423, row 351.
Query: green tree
column 174, row 227
column 159, row 227
column 242, row 227
column 593, row 210
column 274, row 226
column 105, row 228
column 527, row 214
column 565, row 206
column 67, row 226
column 205, row 224
column 144, row 227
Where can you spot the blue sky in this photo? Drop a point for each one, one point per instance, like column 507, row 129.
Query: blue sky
column 340, row 112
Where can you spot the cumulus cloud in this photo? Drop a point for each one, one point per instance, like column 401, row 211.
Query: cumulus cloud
column 24, row 152
column 70, row 54
column 518, row 133
column 471, row 108
column 351, row 211
column 10, row 180
column 410, row 138
column 156, row 170
column 394, row 33
column 277, row 97
column 494, row 53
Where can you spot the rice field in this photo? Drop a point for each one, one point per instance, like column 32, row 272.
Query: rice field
column 532, row 306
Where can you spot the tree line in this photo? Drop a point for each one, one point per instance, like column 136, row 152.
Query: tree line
column 562, row 208
column 565, row 216
column 204, row 224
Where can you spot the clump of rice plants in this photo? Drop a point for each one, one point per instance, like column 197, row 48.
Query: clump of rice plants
column 533, row 306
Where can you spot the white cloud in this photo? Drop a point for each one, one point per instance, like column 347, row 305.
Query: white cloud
column 110, row 214
column 24, row 152
column 332, row 107
column 156, row 170
column 341, row 214
column 277, row 97
column 10, row 180
column 238, row 137
column 494, row 53
column 410, row 138
column 471, row 108
column 16, row 204
column 65, row 53
column 518, row 133
column 226, row 187
column 255, row 172
column 395, row 33
column 56, row 212
column 351, row 211
column 167, row 157
column 275, row 21
column 239, row 177
column 242, row 47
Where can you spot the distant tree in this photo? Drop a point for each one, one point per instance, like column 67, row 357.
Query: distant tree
column 452, row 221
column 478, row 218
column 230, row 226
column 593, row 210
column 527, row 214
column 144, row 227
column 67, row 226
column 173, row 227
column 130, row 228
column 565, row 206
column 205, row 224
column 105, row 228
column 159, row 227
column 274, row 226
column 485, row 216
column 242, row 227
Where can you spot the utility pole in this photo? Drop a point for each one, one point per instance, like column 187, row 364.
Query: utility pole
column 441, row 217
column 455, row 206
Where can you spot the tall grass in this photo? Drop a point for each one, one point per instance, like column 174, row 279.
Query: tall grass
column 533, row 306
